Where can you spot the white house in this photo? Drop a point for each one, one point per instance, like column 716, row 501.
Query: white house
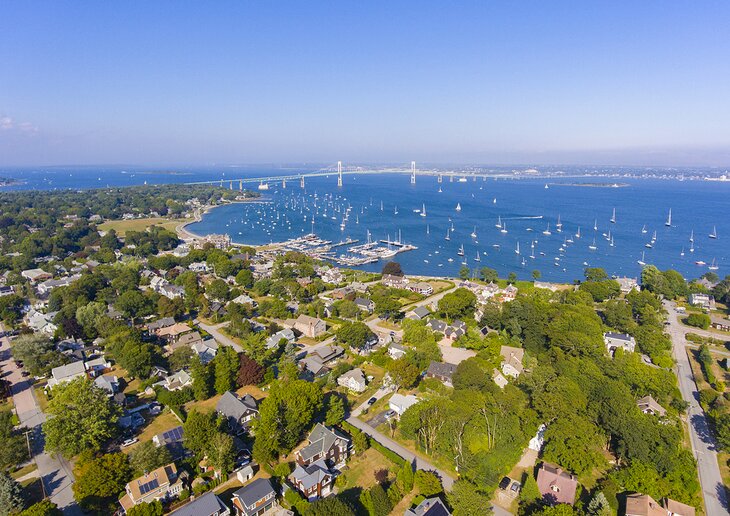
column 512, row 365
column 353, row 380
column 399, row 403
column 614, row 341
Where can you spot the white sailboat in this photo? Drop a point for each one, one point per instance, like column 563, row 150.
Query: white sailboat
column 713, row 266
column 559, row 225
column 613, row 216
column 498, row 225
column 643, row 229
column 547, row 230
column 448, row 237
column 532, row 250
column 460, row 252
column 395, row 211
column 668, row 223
column 440, row 190
column 692, row 236
column 504, row 228
column 428, row 230
column 423, row 210
column 517, row 249
column 593, row 247
column 478, row 258
column 577, row 233
column 458, row 207
column 474, row 233
column 713, row 235
column 682, row 252
column 595, row 224
column 641, row 262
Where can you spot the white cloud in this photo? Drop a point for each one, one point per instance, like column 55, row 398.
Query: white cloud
column 6, row 123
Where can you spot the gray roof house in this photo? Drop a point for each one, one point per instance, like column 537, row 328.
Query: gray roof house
column 255, row 499
column 238, row 411
column 66, row 373
column 441, row 371
column 314, row 480
column 109, row 383
column 273, row 341
column 205, row 505
column 421, row 312
column 354, row 380
column 365, row 304
column 614, row 341
column 324, row 443
column 429, row 507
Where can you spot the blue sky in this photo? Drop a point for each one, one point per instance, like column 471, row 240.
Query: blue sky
column 270, row 82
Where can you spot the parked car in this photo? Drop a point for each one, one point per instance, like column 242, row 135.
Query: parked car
column 505, row 482
column 372, row 400
column 390, row 414
column 129, row 442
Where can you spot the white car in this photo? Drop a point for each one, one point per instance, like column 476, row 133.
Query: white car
column 129, row 442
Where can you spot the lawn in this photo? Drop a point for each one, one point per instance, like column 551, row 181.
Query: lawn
column 209, row 404
column 24, row 470
column 122, row 226
column 40, row 395
column 361, row 469
column 164, row 421
column 377, row 374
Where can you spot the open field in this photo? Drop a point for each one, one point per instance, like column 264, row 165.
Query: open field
column 361, row 469
column 122, row 226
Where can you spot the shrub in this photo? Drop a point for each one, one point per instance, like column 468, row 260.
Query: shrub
column 698, row 321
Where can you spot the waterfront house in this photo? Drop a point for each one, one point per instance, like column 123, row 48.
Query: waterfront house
column 160, row 484
column 429, row 507
column 238, row 412
column 394, row 281
column 400, row 403
column 705, row 301
column 314, row 480
column 353, row 380
column 255, row 499
column 627, row 284
column 324, row 443
column 332, row 275
column 649, row 405
column 421, row 287
column 614, row 341
column 512, row 365
column 207, row 504
column 556, row 485
column 441, row 371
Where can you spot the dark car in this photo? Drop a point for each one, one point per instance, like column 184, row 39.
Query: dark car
column 505, row 482
column 372, row 400
column 24, row 374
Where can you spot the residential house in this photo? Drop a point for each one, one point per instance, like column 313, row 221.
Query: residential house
column 35, row 275
column 327, row 353
column 171, row 439
column 644, row 505
column 6, row 290
column 244, row 299
column 207, row 504
column 97, row 366
column 627, row 284
column 333, row 275
column 421, row 287
column 353, row 380
column 429, row 507
column 396, row 351
column 702, row 300
column 199, row 267
column 173, row 331
column 176, row 381
column 109, row 383
column 365, row 305
column 160, row 484
column 187, row 340
column 441, row 371
column 45, row 287
column 159, row 324
column 238, row 412
column 206, row 350
column 420, row 313
column 499, row 379
column 649, row 405
column 285, row 334
column 40, row 322
column 66, row 373
column 556, row 485
column 308, row 326
column 455, row 330
column 324, row 443
column 314, row 480
column 512, row 365
column 343, row 293
column 400, row 403
column 509, row 294
column 614, row 341
column 720, row 324
column 255, row 499
column 394, row 281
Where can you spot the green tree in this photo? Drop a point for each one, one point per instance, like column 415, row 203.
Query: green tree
column 100, row 480
column 244, row 278
column 148, row 457
column 598, row 506
column 202, row 379
column 530, row 493
column 43, row 508
column 428, row 483
column 360, row 441
column 512, row 277
column 198, row 430
column 147, row 509
column 595, row 274
column 536, row 275
column 218, row 289
column 406, row 477
column 488, row 274
column 331, row 506
column 91, row 317
column 83, row 418
column 226, row 369
column 574, row 443
column 698, row 320
column 457, row 304
column 133, row 304
column 11, row 498
column 466, row 500
column 403, row 373
column 381, row 504
column 354, row 334
column 221, row 453
column 464, row 272
column 334, row 410
column 38, row 354
column 180, row 358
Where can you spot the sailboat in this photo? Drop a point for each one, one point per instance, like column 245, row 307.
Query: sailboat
column 713, row 235
column 668, row 223
column 713, row 266
column 458, row 207
column 478, row 258
column 448, row 237
column 423, row 210
column 440, row 190
column 517, row 249
column 532, row 250
column 494, row 201
column 499, row 222
column 428, row 230
column 613, row 216
column 595, row 224
column 547, row 230
column 395, row 211
column 611, row 243
column 577, row 233
column 682, row 253
column 381, row 205
column 474, row 233
column 461, row 250
column 546, row 186
column 504, row 228
column 593, row 247
column 559, row 225
column 692, row 236
column 641, row 262
column 643, row 229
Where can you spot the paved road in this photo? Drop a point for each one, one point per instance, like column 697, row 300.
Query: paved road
column 55, row 472
column 218, row 336
column 701, row 438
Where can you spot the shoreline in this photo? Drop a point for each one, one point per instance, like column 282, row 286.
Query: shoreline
column 185, row 234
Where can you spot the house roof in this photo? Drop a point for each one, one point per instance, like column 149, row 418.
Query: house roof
column 172, row 435
column 356, row 374
column 145, row 484
column 68, row 370
column 255, row 491
column 441, row 369
column 618, row 336
column 327, row 353
column 643, row 505
column 230, row 405
column 513, row 356
column 174, row 330
column 678, row 508
column 429, row 507
column 421, row 312
column 556, row 485
column 306, row 319
column 160, row 323
column 403, row 402
column 320, row 440
column 205, row 505
column 649, row 403
column 189, row 339
column 311, row 475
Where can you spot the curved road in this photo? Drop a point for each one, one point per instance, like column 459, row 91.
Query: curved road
column 701, row 437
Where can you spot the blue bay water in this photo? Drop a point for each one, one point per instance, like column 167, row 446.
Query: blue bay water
column 696, row 205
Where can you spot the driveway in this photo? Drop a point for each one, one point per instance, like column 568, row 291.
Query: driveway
column 218, row 336
column 701, row 437
column 56, row 473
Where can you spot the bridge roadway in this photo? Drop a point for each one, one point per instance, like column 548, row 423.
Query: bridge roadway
column 299, row 177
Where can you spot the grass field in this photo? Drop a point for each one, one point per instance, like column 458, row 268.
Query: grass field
column 122, row 226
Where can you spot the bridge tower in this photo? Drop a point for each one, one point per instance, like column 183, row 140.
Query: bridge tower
column 339, row 173
column 221, row 183
column 413, row 172
column 451, row 178
column 301, row 182
column 283, row 184
column 240, row 185
column 230, row 186
column 441, row 178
